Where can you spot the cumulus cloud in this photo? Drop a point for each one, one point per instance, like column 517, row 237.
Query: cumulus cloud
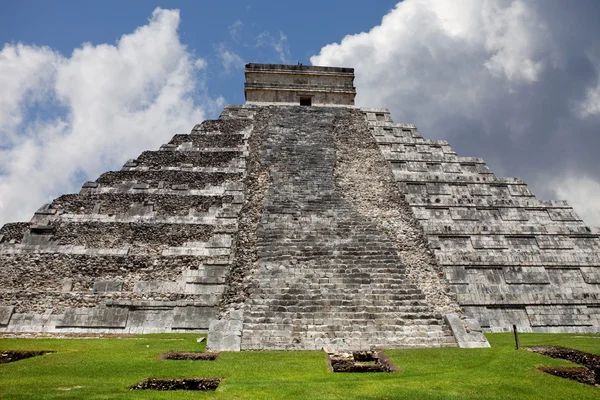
column 515, row 82
column 26, row 75
column 67, row 119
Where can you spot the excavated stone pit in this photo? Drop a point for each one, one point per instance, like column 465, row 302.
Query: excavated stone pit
column 360, row 361
column 579, row 374
column 589, row 373
column 203, row 384
column 16, row 355
column 173, row 355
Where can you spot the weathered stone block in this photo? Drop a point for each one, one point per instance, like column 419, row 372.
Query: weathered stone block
column 525, row 275
column 157, row 287
column 191, row 317
column 591, row 275
column 107, row 286
column 67, row 285
column 5, row 313
column 558, row 316
column 110, row 317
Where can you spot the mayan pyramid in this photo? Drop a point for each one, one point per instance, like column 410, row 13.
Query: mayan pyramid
column 299, row 221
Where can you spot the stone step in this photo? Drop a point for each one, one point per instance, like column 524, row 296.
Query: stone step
column 433, row 202
column 405, row 158
column 342, row 291
column 117, row 235
column 221, row 126
column 495, row 258
column 13, row 232
column 209, row 140
column 454, row 178
column 165, row 178
column 352, row 311
column 372, row 327
column 157, row 159
column 123, row 203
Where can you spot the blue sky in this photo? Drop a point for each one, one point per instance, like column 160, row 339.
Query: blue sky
column 84, row 86
column 205, row 25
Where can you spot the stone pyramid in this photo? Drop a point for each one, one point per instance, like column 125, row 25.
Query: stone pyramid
column 297, row 221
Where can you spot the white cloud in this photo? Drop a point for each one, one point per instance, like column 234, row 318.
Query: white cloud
column 512, row 81
column 103, row 105
column 234, row 30
column 26, row 74
column 280, row 46
column 229, row 59
column 582, row 193
column 590, row 106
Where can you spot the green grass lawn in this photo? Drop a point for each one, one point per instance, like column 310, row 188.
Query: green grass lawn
column 104, row 368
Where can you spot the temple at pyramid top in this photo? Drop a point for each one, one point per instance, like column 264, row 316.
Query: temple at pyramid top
column 299, row 85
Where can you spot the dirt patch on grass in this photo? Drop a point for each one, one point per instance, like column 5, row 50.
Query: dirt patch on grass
column 589, row 373
column 177, row 384
column 579, row 374
column 16, row 355
column 172, row 355
column 361, row 361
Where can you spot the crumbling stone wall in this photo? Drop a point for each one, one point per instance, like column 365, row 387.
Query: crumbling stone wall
column 152, row 237
column 166, row 179
column 13, row 232
column 201, row 141
column 257, row 180
column 157, row 159
column 120, row 203
column 34, row 283
column 223, row 125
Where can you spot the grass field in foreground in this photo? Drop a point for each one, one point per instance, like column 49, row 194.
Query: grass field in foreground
column 104, row 368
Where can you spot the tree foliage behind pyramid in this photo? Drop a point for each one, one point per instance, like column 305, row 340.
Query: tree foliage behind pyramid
column 297, row 221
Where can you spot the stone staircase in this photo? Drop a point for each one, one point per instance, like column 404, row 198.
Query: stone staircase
column 326, row 276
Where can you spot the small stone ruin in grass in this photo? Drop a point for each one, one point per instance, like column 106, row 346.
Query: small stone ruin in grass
column 172, row 355
column 360, row 361
column 589, row 373
column 178, row 384
column 16, row 355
